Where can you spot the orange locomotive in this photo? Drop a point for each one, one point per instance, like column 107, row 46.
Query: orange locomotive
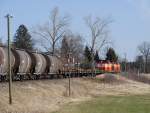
column 106, row 66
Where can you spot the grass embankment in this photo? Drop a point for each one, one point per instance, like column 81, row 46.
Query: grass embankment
column 110, row 104
column 46, row 96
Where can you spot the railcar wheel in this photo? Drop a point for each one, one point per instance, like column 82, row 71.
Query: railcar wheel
column 21, row 78
column 37, row 77
column 51, row 76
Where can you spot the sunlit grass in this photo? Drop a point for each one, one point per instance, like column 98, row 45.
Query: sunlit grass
column 111, row 104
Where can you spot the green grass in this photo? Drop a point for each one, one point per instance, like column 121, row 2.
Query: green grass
column 110, row 104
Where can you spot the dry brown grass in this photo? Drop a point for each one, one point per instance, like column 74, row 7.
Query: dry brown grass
column 146, row 75
column 49, row 95
column 145, row 78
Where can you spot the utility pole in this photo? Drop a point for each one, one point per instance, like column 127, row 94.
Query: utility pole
column 69, row 66
column 125, row 66
column 9, row 57
column 93, row 65
column 125, row 55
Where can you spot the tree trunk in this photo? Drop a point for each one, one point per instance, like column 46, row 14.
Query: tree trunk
column 53, row 48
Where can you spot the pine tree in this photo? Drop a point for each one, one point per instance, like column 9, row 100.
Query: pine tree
column 96, row 56
column 111, row 55
column 1, row 43
column 22, row 38
column 87, row 54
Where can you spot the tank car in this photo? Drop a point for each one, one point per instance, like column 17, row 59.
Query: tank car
column 4, row 61
column 40, row 64
column 25, row 62
column 56, row 66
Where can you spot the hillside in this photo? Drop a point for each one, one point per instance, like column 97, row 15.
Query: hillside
column 44, row 96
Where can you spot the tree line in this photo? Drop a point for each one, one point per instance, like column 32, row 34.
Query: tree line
column 55, row 38
column 141, row 63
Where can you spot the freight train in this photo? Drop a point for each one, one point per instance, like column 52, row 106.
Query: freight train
column 35, row 65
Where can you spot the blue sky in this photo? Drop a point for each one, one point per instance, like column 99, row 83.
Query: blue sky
column 130, row 27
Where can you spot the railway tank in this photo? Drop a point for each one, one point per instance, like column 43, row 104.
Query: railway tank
column 25, row 62
column 4, row 60
column 40, row 62
column 56, row 65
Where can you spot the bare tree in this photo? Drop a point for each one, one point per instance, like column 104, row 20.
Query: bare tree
column 72, row 44
column 99, row 31
column 53, row 30
column 139, row 61
column 144, row 49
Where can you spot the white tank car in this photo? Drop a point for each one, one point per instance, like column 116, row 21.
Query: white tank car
column 40, row 63
column 56, row 65
column 4, row 60
column 25, row 62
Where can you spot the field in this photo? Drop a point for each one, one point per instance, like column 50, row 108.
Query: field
column 111, row 104
column 46, row 96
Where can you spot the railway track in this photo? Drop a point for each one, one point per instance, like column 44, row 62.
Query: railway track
column 16, row 77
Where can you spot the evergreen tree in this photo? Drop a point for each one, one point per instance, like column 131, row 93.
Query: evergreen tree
column 96, row 56
column 22, row 38
column 87, row 54
column 1, row 43
column 111, row 55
